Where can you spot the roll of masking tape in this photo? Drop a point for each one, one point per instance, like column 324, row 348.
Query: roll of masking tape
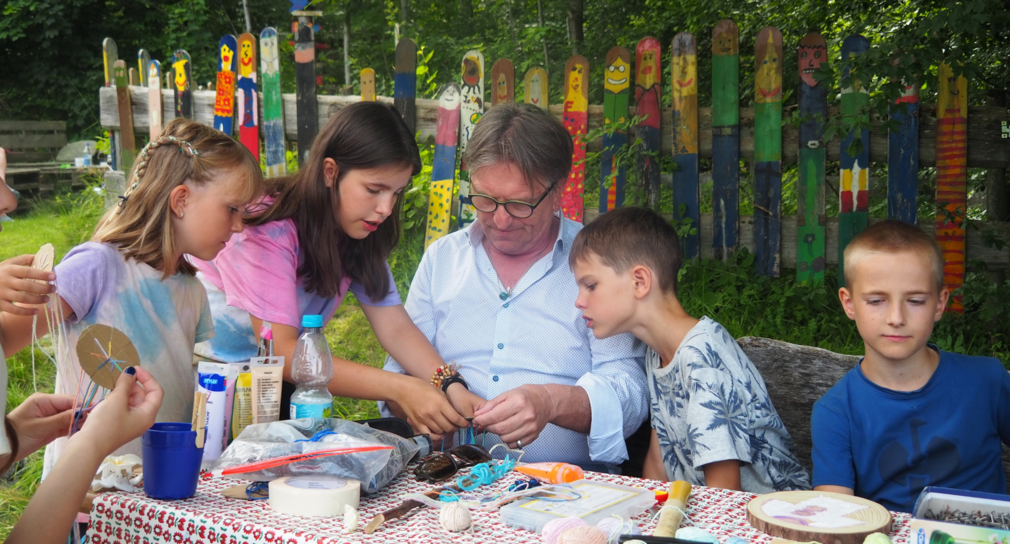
column 313, row 496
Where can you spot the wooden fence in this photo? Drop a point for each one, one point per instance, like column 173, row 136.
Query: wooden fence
column 949, row 136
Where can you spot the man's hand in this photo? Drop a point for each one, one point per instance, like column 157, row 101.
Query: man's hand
column 465, row 402
column 15, row 286
column 517, row 416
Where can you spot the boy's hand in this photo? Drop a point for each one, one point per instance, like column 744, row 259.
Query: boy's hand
column 15, row 286
column 40, row 419
column 124, row 414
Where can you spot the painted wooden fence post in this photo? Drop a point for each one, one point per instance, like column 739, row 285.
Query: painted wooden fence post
column 616, row 92
column 810, row 220
column 183, row 84
column 224, row 98
column 273, row 112
column 154, row 105
column 110, row 54
column 246, row 95
column 576, row 120
column 951, row 177
column 125, row 115
column 470, row 111
column 133, row 78
column 535, row 87
column 305, row 83
column 903, row 157
column 503, row 82
column 405, row 82
column 854, row 188
column 443, row 169
column 684, row 85
column 768, row 151
column 648, row 71
column 367, row 85
column 143, row 64
column 725, row 138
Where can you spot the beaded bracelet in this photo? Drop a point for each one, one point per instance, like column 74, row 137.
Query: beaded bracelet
column 443, row 372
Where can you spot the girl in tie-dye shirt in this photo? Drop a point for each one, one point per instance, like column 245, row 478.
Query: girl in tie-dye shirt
column 187, row 193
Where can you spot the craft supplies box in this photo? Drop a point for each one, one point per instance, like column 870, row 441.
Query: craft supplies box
column 599, row 500
column 938, row 499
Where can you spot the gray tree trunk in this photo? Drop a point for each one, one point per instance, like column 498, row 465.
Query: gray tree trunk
column 575, row 31
column 997, row 197
column 404, row 10
column 348, row 84
column 547, row 60
column 248, row 21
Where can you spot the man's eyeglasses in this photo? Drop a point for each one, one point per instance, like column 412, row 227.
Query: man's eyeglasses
column 515, row 208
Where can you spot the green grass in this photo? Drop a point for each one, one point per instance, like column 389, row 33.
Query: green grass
column 747, row 304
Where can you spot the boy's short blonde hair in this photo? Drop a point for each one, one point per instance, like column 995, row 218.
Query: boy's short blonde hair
column 892, row 236
column 631, row 236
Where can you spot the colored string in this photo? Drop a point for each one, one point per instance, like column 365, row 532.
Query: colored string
column 485, row 473
column 257, row 487
column 316, row 437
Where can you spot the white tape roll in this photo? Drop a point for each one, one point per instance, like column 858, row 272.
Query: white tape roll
column 313, row 496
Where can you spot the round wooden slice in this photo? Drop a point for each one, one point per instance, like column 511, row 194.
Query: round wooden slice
column 828, row 518
column 44, row 259
column 97, row 344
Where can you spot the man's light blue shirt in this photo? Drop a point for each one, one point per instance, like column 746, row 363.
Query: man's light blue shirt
column 536, row 336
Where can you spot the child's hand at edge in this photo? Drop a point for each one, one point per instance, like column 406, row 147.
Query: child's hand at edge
column 124, row 414
column 8, row 202
column 40, row 419
column 15, row 286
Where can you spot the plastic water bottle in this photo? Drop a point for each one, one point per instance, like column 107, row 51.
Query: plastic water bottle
column 87, row 154
column 312, row 370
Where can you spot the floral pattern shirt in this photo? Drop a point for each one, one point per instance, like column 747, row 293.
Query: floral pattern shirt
column 710, row 404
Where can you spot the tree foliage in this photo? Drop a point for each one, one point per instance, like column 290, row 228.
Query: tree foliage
column 52, row 54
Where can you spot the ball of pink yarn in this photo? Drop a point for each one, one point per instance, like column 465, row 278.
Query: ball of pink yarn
column 583, row 535
column 553, row 529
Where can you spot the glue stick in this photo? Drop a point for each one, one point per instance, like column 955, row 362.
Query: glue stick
column 555, row 473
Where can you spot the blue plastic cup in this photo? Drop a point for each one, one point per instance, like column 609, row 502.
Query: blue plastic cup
column 171, row 461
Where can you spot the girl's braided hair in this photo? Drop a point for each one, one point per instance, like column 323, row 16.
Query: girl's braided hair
column 187, row 152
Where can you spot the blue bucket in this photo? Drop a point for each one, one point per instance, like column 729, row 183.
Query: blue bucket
column 171, row 461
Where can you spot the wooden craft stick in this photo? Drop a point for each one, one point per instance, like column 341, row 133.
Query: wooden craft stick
column 404, row 508
column 673, row 511
column 200, row 417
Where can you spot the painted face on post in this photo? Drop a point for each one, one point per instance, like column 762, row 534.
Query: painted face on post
column 616, row 76
column 471, row 72
column 769, row 77
column 685, row 69
column 245, row 60
column 647, row 69
column 725, row 44
column 450, row 98
column 534, row 90
column 152, row 74
column 575, row 79
column 501, row 88
column 226, row 55
column 119, row 72
column 180, row 74
column 269, row 52
column 367, row 78
column 811, row 56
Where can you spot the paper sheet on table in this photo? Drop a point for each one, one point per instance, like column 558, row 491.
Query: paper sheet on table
column 822, row 512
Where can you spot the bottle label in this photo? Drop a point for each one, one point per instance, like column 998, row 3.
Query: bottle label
column 299, row 411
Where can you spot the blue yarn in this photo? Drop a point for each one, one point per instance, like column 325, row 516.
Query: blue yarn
column 254, row 488
column 485, row 473
column 316, row 437
column 448, row 496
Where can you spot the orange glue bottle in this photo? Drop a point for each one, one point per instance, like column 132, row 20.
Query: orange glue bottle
column 554, row 473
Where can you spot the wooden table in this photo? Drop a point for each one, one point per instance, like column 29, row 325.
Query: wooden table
column 210, row 517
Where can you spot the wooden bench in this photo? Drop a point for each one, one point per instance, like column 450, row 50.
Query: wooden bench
column 32, row 164
column 796, row 376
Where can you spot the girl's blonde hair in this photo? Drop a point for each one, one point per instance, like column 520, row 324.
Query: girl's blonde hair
column 141, row 225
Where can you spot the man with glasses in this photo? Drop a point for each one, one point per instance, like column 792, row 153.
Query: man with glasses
column 498, row 300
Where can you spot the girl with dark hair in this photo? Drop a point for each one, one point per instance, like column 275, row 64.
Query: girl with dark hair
column 323, row 232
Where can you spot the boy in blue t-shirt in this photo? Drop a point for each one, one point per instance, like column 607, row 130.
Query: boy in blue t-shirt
column 712, row 421
column 909, row 415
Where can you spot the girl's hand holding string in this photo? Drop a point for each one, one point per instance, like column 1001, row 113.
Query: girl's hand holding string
column 124, row 414
column 16, row 274
column 40, row 419
column 427, row 408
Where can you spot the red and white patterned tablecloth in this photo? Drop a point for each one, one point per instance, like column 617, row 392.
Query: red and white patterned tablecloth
column 209, row 517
